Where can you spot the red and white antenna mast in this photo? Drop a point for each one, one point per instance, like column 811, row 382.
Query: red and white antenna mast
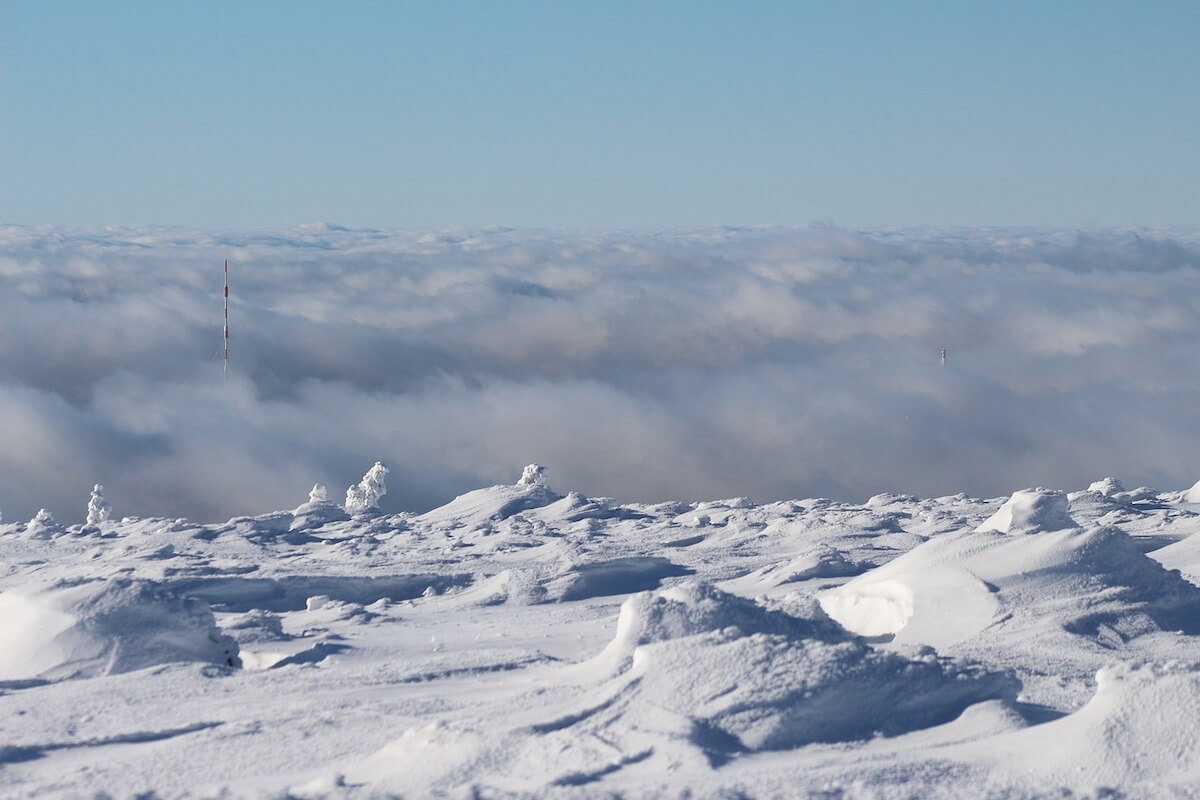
column 225, row 373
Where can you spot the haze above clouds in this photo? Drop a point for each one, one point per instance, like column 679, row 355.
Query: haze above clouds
column 635, row 115
column 687, row 363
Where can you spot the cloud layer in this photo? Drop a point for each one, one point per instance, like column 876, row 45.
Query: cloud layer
column 683, row 364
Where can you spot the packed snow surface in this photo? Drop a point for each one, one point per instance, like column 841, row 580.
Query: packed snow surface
column 525, row 642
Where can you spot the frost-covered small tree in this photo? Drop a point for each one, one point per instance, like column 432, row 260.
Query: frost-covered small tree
column 318, row 494
column 99, row 510
column 533, row 475
column 42, row 526
column 365, row 497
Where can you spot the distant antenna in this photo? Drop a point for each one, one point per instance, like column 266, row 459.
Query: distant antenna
column 943, row 356
column 225, row 372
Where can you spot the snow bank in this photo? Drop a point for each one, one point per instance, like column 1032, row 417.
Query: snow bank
column 101, row 627
column 1192, row 495
column 751, row 678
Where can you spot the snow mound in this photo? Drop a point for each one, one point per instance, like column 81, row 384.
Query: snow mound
column 886, row 499
column 1136, row 729
column 1107, row 487
column 492, row 504
column 822, row 561
column 694, row 607
column 1183, row 555
column 954, row 604
column 514, row 587
column 749, row 678
column 952, row 588
column 102, row 627
column 1192, row 495
column 613, row 576
column 1031, row 511
column 317, row 511
column 575, row 507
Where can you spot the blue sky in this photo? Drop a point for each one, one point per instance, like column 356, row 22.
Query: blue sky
column 599, row 114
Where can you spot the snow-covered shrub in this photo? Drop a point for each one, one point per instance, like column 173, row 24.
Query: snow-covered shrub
column 42, row 526
column 99, row 510
column 533, row 475
column 364, row 498
column 316, row 511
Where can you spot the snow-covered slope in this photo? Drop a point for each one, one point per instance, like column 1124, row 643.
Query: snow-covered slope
column 522, row 642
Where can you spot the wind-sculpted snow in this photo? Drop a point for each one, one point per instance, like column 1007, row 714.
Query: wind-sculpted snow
column 695, row 363
column 1060, row 588
column 84, row 629
column 772, row 682
column 1031, row 511
column 521, row 642
column 711, row 676
column 1182, row 555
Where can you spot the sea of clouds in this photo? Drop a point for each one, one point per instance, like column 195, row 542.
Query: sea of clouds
column 683, row 364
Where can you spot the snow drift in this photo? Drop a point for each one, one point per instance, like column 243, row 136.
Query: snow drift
column 1108, row 740
column 751, row 678
column 494, row 503
column 1031, row 511
column 100, row 627
column 1054, row 576
column 519, row 642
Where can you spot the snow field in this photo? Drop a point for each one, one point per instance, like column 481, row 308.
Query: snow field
column 521, row 642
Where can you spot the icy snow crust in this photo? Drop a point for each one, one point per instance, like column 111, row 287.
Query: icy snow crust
column 519, row 642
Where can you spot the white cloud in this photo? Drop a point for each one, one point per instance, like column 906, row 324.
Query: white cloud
column 770, row 362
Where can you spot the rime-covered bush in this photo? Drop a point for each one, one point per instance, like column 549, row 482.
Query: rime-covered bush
column 318, row 494
column 533, row 475
column 99, row 510
column 43, row 526
column 364, row 498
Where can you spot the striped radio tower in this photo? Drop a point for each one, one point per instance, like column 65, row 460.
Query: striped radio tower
column 225, row 372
